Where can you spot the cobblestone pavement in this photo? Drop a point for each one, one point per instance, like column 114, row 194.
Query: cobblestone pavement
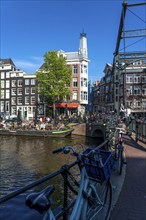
column 131, row 202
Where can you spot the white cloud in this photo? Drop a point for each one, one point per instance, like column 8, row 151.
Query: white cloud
column 38, row 59
column 30, row 65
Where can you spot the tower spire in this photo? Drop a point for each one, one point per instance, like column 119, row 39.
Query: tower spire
column 83, row 51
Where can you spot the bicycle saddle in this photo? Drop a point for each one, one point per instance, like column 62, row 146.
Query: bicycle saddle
column 40, row 201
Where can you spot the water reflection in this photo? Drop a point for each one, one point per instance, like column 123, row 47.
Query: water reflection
column 26, row 159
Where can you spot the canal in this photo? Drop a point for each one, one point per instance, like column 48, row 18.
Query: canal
column 24, row 160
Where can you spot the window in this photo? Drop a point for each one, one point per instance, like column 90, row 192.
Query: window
column 129, row 79
column 144, row 91
column 75, row 69
column 19, row 100
column 13, row 109
column 83, row 82
column 2, row 94
column 75, row 82
column 67, row 98
column 33, row 100
column 33, row 90
column 29, row 110
column 108, row 79
column 144, row 103
column 129, row 103
column 7, row 106
column 20, row 91
column 26, row 81
column 7, row 83
column 7, row 75
column 75, row 95
column 138, row 104
column 13, row 91
column 107, row 89
column 137, row 90
column 40, row 98
column 20, row 83
column 129, row 90
column 2, row 84
column 27, row 90
column 33, row 109
column 137, row 79
column 85, row 69
column 32, row 81
column 144, row 79
column 7, row 93
column 27, row 100
column 83, row 95
column 2, row 75
column 13, row 100
column 13, row 83
column 2, row 106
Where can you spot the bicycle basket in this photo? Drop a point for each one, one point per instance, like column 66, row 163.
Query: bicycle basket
column 96, row 170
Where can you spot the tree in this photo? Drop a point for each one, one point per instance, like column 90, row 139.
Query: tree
column 54, row 78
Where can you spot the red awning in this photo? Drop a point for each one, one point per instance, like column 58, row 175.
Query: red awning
column 66, row 105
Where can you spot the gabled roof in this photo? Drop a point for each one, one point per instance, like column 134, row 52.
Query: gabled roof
column 7, row 61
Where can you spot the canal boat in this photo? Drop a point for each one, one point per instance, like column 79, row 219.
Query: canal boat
column 41, row 133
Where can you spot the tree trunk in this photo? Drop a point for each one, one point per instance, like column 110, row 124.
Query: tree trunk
column 54, row 114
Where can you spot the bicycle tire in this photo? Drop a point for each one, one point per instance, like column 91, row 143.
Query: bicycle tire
column 120, row 162
column 99, row 201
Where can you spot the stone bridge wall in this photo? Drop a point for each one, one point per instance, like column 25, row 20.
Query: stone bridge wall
column 90, row 130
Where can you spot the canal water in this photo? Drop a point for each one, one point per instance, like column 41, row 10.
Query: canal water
column 24, row 160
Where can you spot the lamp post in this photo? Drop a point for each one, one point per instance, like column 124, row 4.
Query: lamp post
column 35, row 114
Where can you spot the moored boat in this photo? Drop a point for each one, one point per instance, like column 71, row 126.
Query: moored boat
column 42, row 133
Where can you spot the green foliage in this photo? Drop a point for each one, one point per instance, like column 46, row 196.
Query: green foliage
column 54, row 77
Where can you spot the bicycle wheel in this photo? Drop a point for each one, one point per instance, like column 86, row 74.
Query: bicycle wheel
column 99, row 201
column 120, row 162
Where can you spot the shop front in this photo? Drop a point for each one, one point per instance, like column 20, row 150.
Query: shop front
column 66, row 108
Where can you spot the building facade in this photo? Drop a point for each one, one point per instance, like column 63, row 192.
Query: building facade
column 121, row 90
column 17, row 91
column 103, row 92
column 78, row 61
column 130, row 88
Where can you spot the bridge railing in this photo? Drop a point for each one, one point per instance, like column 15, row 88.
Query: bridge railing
column 67, row 203
column 139, row 128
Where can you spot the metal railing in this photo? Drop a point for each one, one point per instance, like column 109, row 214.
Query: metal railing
column 139, row 128
column 63, row 171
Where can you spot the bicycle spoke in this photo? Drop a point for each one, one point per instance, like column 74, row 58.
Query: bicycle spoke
column 99, row 202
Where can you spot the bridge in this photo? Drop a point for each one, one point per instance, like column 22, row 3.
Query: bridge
column 94, row 129
column 99, row 130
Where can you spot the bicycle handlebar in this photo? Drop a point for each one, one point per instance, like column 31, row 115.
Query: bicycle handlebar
column 65, row 150
column 57, row 150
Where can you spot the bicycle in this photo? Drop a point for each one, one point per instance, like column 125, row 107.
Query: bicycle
column 94, row 194
column 116, row 146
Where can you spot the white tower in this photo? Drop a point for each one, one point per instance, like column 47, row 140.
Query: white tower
column 83, row 52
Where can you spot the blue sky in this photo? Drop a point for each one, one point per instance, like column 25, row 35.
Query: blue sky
column 28, row 29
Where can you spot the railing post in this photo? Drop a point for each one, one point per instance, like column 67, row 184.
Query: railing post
column 65, row 203
column 136, row 130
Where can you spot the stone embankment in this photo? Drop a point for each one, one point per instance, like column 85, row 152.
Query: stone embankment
column 79, row 129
